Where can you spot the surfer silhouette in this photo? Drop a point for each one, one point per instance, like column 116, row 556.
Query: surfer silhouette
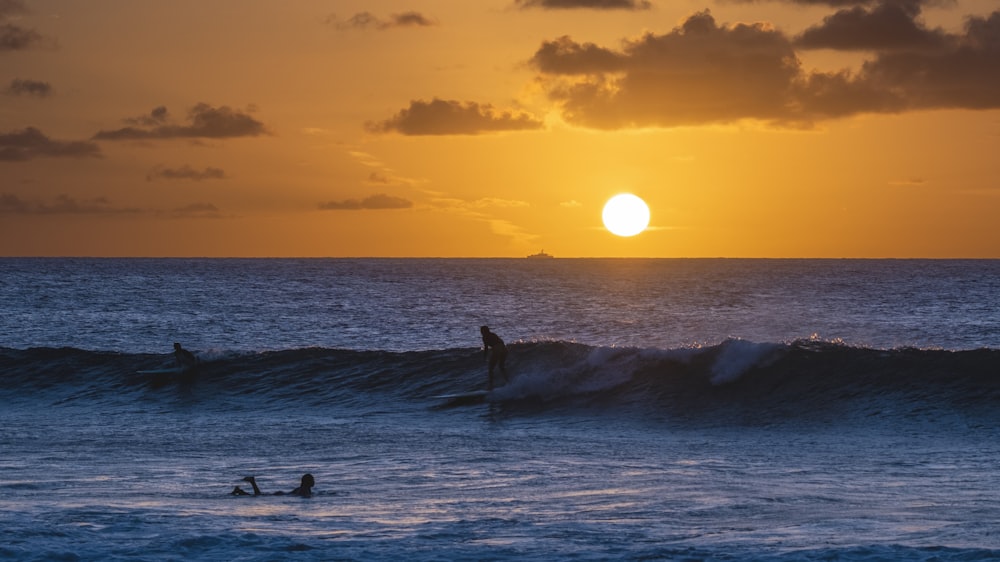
column 304, row 490
column 185, row 359
column 499, row 355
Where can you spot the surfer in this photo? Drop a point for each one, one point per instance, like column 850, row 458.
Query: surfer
column 185, row 359
column 304, row 490
column 499, row 355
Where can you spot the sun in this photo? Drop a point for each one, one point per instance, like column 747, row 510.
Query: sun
column 625, row 215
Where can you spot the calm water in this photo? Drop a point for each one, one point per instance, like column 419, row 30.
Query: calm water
column 657, row 409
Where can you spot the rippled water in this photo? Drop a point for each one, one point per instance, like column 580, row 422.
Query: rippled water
column 637, row 445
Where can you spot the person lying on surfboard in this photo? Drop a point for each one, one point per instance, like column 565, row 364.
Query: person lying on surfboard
column 499, row 355
column 185, row 359
column 304, row 490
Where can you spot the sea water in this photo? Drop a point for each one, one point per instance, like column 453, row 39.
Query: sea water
column 656, row 409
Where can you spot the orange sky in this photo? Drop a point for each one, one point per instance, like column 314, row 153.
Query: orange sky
column 767, row 128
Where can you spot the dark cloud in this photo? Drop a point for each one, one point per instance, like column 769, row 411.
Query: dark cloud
column 204, row 121
column 16, row 38
column 61, row 205
column 702, row 72
column 698, row 73
column 30, row 143
column 964, row 75
column 32, row 88
column 378, row 201
column 587, row 4
column 410, row 19
column 841, row 3
column 447, row 117
column 564, row 56
column 887, row 26
column 157, row 117
column 367, row 20
column 185, row 172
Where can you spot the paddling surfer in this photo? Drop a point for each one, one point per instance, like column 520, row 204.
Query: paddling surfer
column 493, row 342
column 304, row 490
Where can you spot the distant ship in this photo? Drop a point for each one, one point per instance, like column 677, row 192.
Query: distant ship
column 540, row 256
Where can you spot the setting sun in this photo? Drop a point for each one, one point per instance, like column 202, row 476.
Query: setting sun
column 625, row 215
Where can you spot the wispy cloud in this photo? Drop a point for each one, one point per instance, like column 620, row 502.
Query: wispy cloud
column 31, row 88
column 367, row 20
column 62, row 205
column 185, row 172
column 195, row 211
column 30, row 143
column 584, row 4
column 13, row 37
column 203, row 121
column 448, row 117
column 11, row 204
column 378, row 201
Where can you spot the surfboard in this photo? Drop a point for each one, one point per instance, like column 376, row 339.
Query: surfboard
column 165, row 371
column 475, row 394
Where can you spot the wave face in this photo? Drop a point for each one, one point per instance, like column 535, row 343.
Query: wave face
column 737, row 382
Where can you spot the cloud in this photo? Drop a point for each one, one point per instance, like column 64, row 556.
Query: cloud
column 445, row 117
column 61, row 205
column 842, row 3
column 373, row 202
column 203, row 121
column 367, row 20
column 697, row 73
column 185, row 172
column 30, row 143
column 702, row 72
column 587, row 4
column 887, row 26
column 16, row 38
column 31, row 88
column 912, row 182
column 365, row 159
column 196, row 211
column 474, row 210
column 964, row 74
column 386, row 177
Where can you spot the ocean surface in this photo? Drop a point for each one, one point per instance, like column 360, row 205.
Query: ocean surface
column 655, row 410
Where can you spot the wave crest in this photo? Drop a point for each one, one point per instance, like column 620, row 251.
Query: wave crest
column 735, row 380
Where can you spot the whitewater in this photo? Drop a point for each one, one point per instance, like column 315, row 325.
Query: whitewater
column 656, row 409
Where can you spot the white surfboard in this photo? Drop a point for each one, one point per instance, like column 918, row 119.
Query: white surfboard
column 164, row 371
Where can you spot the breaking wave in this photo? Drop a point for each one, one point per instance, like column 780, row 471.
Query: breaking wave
column 735, row 382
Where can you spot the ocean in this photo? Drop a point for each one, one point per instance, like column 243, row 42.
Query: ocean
column 656, row 409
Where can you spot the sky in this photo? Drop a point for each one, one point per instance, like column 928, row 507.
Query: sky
column 499, row 128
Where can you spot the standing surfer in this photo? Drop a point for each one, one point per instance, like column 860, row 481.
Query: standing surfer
column 185, row 359
column 499, row 355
